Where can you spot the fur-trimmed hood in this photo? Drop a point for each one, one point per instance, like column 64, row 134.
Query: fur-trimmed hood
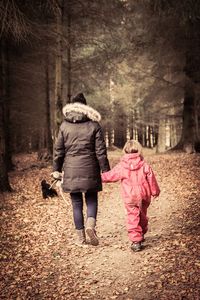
column 77, row 112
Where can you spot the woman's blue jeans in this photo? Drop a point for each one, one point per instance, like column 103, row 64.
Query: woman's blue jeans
column 91, row 199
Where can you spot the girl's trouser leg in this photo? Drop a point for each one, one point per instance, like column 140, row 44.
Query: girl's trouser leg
column 91, row 199
column 77, row 204
column 133, row 223
column 143, row 216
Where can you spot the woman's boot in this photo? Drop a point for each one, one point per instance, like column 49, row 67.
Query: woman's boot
column 81, row 239
column 90, row 230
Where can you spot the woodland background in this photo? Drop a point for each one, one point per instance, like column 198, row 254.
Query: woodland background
column 137, row 62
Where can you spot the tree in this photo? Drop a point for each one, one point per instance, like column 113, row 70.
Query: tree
column 69, row 43
column 4, row 182
column 11, row 23
column 186, row 13
column 49, row 141
column 58, row 69
column 15, row 24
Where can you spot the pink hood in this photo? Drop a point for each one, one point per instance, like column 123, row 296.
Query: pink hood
column 132, row 161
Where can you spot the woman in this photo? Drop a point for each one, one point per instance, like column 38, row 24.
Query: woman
column 80, row 152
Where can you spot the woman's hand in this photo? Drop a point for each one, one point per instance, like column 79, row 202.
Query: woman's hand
column 56, row 175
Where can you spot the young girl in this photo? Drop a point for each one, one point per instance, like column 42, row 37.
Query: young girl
column 138, row 184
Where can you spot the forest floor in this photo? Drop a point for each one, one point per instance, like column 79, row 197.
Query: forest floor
column 39, row 260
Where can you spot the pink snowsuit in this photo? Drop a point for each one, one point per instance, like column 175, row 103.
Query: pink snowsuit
column 138, row 184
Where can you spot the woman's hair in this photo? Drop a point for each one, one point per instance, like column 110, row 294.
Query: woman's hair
column 132, row 146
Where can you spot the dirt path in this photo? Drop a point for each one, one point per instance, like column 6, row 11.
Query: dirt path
column 40, row 261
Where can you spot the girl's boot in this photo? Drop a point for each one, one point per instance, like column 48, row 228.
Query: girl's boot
column 136, row 246
column 90, row 230
column 81, row 239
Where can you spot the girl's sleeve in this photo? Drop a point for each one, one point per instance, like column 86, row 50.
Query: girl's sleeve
column 153, row 185
column 112, row 175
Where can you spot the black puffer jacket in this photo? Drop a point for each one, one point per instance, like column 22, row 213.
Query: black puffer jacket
column 80, row 150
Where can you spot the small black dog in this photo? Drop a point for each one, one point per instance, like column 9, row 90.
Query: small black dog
column 47, row 191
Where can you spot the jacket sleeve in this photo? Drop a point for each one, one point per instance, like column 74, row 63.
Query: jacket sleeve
column 112, row 175
column 153, row 185
column 59, row 152
column 101, row 151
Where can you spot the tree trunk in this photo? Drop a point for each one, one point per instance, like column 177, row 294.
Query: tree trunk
column 69, row 92
column 135, row 133
column 197, row 112
column 4, row 182
column 58, row 71
column 150, row 136
column 161, row 146
column 155, row 136
column 188, row 131
column 190, row 139
column 49, row 141
column 144, row 135
column 174, row 128
column 131, row 124
column 140, row 133
column 6, row 92
column 120, row 126
column 109, row 135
